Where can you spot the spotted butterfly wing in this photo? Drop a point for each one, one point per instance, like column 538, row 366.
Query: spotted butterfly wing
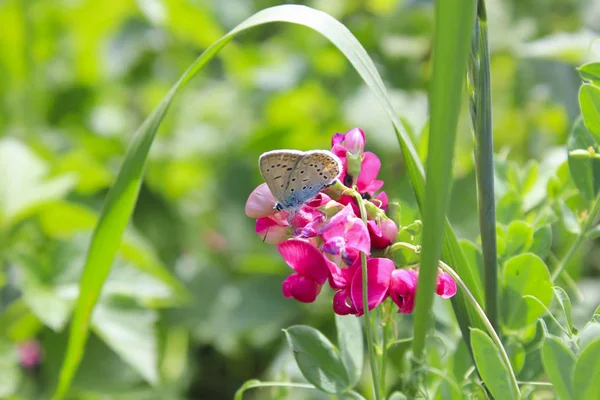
column 276, row 167
column 294, row 177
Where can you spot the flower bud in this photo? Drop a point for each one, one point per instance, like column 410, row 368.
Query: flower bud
column 354, row 141
column 382, row 233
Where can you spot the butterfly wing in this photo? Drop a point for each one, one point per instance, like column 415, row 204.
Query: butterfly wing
column 276, row 167
column 314, row 171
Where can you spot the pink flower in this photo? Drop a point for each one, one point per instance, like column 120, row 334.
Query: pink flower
column 383, row 233
column 311, row 269
column 273, row 229
column 403, row 287
column 348, row 282
column 366, row 181
column 353, row 140
column 30, row 354
column 346, row 235
column 446, row 286
column 261, row 202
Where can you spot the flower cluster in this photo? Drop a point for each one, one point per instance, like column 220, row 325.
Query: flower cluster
column 323, row 240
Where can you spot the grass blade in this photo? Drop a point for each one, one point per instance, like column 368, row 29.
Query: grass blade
column 481, row 115
column 122, row 196
column 454, row 20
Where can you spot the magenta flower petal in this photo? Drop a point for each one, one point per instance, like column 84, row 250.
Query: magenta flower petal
column 342, row 304
column 369, row 170
column 300, row 288
column 337, row 278
column 382, row 234
column 335, row 245
column 403, row 287
column 357, row 236
column 305, row 259
column 260, row 203
column 337, row 139
column 446, row 286
column 383, row 200
column 379, row 271
column 271, row 231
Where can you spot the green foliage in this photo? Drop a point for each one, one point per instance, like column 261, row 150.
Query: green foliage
column 493, row 370
column 525, row 275
column 559, row 363
column 318, row 359
column 191, row 304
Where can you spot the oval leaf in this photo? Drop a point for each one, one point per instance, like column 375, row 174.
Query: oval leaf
column 542, row 242
column 589, row 101
column 318, row 359
column 587, row 373
column 519, row 237
column 583, row 167
column 590, row 72
column 350, row 343
column 525, row 274
column 494, row 372
column 558, row 362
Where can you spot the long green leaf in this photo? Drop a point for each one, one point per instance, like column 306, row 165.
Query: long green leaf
column 122, row 196
column 454, row 21
column 481, row 115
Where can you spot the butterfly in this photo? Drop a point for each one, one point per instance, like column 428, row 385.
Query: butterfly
column 295, row 177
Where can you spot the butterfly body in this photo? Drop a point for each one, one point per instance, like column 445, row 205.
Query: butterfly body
column 295, row 177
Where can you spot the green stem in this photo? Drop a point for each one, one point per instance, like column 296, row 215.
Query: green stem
column 365, row 295
column 578, row 240
column 485, row 320
column 481, row 115
column 384, row 347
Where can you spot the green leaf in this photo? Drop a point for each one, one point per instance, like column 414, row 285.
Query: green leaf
column 130, row 332
column 350, row 343
column 525, row 274
column 589, row 333
column 559, row 363
column 587, row 373
column 454, row 21
column 590, row 72
column 542, row 242
column 516, row 354
column 318, row 359
column 565, row 305
column 569, row 219
column 24, row 188
column 593, row 233
column 397, row 396
column 492, row 369
column 123, row 194
column 9, row 369
column 519, row 237
column 589, row 101
column 584, row 167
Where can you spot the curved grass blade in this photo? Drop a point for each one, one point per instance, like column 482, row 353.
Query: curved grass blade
column 454, row 21
column 122, row 196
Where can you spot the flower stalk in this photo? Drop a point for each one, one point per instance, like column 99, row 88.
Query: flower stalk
column 365, row 297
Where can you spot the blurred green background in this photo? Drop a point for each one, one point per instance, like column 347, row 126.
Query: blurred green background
column 78, row 78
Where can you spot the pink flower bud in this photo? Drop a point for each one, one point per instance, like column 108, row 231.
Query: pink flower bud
column 446, row 286
column 383, row 233
column 354, row 141
column 30, row 354
column 403, row 287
